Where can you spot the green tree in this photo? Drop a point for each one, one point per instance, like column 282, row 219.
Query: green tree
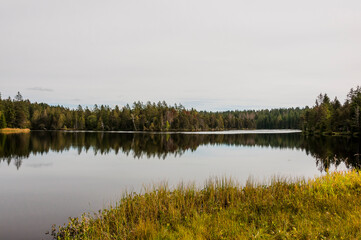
column 9, row 112
column 91, row 122
column 100, row 125
column 167, row 126
column 2, row 121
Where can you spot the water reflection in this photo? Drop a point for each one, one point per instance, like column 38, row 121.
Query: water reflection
column 327, row 151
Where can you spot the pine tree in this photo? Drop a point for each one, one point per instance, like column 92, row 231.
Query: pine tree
column 18, row 97
column 2, row 121
column 100, row 125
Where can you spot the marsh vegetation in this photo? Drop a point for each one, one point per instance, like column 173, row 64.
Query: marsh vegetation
column 327, row 207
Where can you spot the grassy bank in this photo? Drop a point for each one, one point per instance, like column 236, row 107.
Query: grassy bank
column 14, row 130
column 328, row 207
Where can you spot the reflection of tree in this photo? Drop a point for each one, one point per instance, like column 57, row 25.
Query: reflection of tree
column 14, row 147
column 332, row 151
column 327, row 151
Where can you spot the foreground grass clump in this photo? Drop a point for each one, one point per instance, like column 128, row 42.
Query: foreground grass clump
column 328, row 207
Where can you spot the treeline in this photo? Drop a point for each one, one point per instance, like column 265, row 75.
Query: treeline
column 331, row 116
column 20, row 113
column 325, row 117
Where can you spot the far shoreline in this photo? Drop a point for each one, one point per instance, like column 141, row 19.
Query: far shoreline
column 233, row 131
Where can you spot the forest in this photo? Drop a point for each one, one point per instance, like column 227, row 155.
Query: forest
column 20, row 113
column 329, row 117
column 325, row 116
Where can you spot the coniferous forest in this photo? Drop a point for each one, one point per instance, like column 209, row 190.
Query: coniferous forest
column 328, row 116
column 325, row 116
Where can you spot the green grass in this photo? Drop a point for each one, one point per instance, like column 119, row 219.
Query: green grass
column 327, row 207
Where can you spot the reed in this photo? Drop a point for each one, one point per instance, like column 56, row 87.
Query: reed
column 327, row 207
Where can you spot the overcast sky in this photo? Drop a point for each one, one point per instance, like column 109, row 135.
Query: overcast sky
column 213, row 55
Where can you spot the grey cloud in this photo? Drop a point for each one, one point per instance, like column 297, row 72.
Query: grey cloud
column 41, row 89
column 207, row 54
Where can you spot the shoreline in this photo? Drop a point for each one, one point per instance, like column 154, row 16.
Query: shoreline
column 230, row 131
column 331, row 134
column 211, row 131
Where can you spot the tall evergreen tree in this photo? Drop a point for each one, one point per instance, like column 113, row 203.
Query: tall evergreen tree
column 2, row 120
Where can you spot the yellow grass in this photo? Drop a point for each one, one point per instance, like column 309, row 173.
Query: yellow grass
column 327, row 207
column 14, row 130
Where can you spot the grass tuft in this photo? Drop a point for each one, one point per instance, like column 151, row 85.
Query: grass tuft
column 327, row 207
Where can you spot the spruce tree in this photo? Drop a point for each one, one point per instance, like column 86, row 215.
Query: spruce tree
column 2, row 121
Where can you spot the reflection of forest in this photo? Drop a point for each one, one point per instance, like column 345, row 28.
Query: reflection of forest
column 326, row 150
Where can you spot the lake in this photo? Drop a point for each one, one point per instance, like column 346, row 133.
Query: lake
column 48, row 176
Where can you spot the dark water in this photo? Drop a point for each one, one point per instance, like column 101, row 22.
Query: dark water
column 45, row 177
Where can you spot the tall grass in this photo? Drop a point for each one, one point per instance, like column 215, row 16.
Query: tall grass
column 328, row 207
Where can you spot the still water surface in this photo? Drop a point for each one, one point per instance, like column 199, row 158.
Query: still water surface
column 45, row 177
